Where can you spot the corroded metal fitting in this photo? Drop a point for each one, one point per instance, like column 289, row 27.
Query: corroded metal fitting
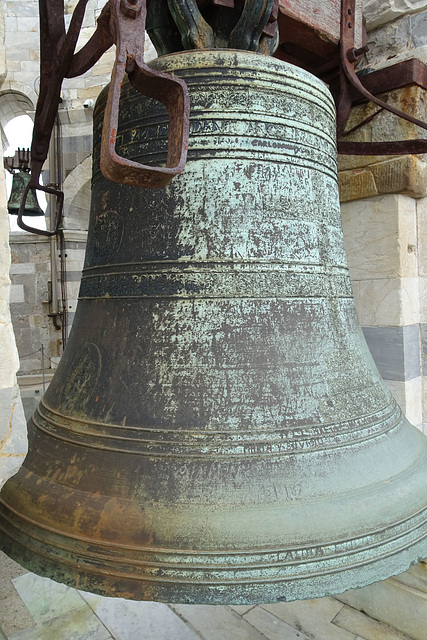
column 130, row 8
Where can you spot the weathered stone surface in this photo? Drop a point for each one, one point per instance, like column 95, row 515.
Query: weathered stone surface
column 30, row 273
column 396, row 350
column 378, row 12
column 402, row 37
column 422, row 236
column 358, row 622
column 356, row 184
column 393, row 37
column 13, row 441
column 312, row 618
column 389, row 302
column 380, row 237
column 213, row 623
column 408, row 396
column 386, row 127
column 403, row 175
column 419, row 29
column 406, row 175
column 395, row 603
column 423, row 299
column 12, row 422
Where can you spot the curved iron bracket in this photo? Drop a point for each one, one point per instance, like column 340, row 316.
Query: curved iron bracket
column 255, row 16
column 56, row 53
column 34, row 184
column 195, row 32
column 349, row 55
column 121, row 22
column 128, row 26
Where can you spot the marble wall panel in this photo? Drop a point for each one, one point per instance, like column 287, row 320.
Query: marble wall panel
column 422, row 235
column 422, row 285
column 389, row 302
column 396, row 351
column 408, row 396
column 380, row 236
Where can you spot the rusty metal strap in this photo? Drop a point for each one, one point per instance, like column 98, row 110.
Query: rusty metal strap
column 393, row 148
column 128, row 27
column 121, row 22
column 56, row 52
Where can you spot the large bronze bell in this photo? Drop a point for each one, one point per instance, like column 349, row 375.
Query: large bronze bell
column 20, row 180
column 217, row 431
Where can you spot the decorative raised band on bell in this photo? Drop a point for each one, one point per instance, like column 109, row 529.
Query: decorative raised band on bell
column 217, row 431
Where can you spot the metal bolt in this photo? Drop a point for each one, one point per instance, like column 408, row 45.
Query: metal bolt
column 130, row 8
column 354, row 54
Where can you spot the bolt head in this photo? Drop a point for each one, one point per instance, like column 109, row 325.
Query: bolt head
column 130, row 8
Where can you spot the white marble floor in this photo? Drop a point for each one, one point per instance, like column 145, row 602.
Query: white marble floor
column 34, row 608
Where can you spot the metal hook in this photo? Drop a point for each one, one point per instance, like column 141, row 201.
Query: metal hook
column 34, row 184
column 195, row 31
column 248, row 31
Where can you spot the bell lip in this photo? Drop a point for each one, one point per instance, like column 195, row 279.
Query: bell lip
column 206, row 592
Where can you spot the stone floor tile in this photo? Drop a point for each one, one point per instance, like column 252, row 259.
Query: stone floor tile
column 14, row 615
column 272, row 627
column 325, row 608
column 129, row 620
column 241, row 609
column 363, row 625
column 9, row 569
column 217, row 622
column 80, row 624
column 304, row 616
column 46, row 599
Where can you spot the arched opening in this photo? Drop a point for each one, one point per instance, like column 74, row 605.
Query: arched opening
column 77, row 192
column 17, row 135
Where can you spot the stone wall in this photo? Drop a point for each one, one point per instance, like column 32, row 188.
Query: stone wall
column 385, row 230
column 381, row 12
column 29, row 302
column 384, row 220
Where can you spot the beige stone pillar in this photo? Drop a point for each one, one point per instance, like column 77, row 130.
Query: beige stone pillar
column 384, row 209
column 13, row 442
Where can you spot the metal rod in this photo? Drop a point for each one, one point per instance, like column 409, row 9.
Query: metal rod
column 44, row 385
column 53, row 179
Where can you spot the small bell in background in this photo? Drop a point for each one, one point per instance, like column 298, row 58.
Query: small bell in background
column 21, row 177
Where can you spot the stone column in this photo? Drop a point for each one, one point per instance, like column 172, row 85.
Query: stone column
column 384, row 208
column 13, row 442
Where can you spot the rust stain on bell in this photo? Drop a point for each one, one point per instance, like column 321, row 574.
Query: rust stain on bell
column 216, row 431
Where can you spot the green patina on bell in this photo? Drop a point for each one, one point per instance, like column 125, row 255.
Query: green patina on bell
column 216, row 431
column 20, row 180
